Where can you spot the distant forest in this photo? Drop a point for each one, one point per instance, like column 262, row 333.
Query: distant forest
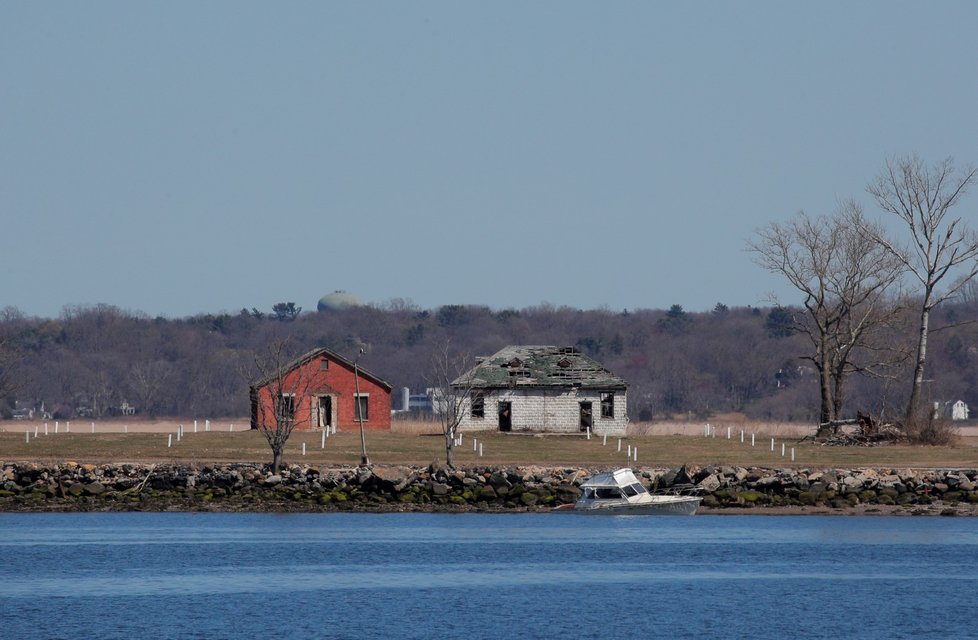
column 92, row 359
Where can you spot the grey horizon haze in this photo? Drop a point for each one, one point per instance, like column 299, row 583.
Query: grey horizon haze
column 196, row 157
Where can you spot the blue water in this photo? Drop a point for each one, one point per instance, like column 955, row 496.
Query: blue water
column 152, row 575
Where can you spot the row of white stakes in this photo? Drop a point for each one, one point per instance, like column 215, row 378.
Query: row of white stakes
column 709, row 431
column 631, row 452
column 477, row 446
column 125, row 429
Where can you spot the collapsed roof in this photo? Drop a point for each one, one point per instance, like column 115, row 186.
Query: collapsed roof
column 538, row 366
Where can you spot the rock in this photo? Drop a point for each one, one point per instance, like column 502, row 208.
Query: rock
column 440, row 489
column 710, row 483
column 498, row 481
column 486, row 492
column 94, row 488
column 273, row 480
column 392, row 478
column 568, row 493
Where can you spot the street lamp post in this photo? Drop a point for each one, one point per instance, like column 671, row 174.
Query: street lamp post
column 364, row 460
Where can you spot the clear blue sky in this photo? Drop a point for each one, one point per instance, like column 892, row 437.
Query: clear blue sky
column 177, row 158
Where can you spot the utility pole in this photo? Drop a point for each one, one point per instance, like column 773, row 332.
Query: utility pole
column 364, row 460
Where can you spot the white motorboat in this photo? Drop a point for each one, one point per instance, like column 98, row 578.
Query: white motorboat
column 620, row 493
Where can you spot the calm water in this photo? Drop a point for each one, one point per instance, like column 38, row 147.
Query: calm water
column 209, row 576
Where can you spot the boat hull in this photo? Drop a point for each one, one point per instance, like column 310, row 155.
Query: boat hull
column 679, row 506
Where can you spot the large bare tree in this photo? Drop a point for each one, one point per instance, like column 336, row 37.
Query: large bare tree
column 940, row 246
column 844, row 277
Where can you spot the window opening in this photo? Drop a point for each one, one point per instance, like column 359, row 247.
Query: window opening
column 361, row 407
column 478, row 402
column 607, row 405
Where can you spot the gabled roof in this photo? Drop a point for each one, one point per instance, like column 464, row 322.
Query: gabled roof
column 539, row 366
column 331, row 355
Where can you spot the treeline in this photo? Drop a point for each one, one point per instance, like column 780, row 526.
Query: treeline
column 92, row 360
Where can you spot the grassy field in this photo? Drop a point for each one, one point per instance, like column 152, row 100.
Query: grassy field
column 420, row 443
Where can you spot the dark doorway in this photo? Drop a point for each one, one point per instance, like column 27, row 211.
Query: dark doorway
column 325, row 411
column 505, row 416
column 587, row 416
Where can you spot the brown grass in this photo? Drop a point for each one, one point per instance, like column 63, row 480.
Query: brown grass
column 659, row 445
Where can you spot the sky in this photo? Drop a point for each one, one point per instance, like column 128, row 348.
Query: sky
column 178, row 158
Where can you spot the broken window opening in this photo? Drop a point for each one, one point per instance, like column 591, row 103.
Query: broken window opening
column 478, row 402
column 607, row 405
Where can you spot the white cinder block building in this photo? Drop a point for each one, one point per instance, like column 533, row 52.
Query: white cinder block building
column 542, row 389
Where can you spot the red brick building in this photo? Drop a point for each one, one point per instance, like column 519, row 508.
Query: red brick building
column 319, row 390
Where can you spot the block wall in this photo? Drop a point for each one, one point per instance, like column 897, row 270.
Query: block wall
column 550, row 411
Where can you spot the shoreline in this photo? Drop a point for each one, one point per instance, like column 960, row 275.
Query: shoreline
column 74, row 487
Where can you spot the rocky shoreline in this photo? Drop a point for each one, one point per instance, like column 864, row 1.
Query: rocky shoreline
column 71, row 487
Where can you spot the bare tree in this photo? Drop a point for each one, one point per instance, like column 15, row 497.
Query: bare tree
column 940, row 246
column 844, row 276
column 275, row 409
column 451, row 391
column 11, row 377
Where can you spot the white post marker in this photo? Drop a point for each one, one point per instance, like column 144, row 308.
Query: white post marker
column 480, row 449
column 303, row 448
column 322, row 444
column 635, row 454
column 125, row 429
column 752, row 439
column 706, row 430
column 35, row 431
column 741, row 436
column 207, row 425
column 475, row 445
column 45, row 428
column 604, row 440
column 27, row 436
column 772, row 444
column 169, row 440
column 55, row 426
column 231, row 427
column 792, row 454
column 589, row 433
column 628, row 454
column 619, row 444
column 782, row 449
column 93, row 427
column 178, row 435
column 195, row 426
column 728, row 433
column 68, row 426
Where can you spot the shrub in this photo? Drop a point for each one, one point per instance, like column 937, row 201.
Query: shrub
column 927, row 428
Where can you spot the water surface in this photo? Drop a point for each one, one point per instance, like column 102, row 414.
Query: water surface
column 179, row 575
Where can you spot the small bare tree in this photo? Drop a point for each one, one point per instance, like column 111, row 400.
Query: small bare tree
column 276, row 408
column 844, row 276
column 940, row 246
column 451, row 390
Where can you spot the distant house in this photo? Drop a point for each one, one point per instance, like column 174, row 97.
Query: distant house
column 543, row 389
column 957, row 410
column 320, row 389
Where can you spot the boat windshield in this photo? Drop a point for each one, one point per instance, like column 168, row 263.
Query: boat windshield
column 608, row 493
column 633, row 490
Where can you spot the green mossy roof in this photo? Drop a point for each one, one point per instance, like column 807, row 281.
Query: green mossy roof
column 539, row 366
